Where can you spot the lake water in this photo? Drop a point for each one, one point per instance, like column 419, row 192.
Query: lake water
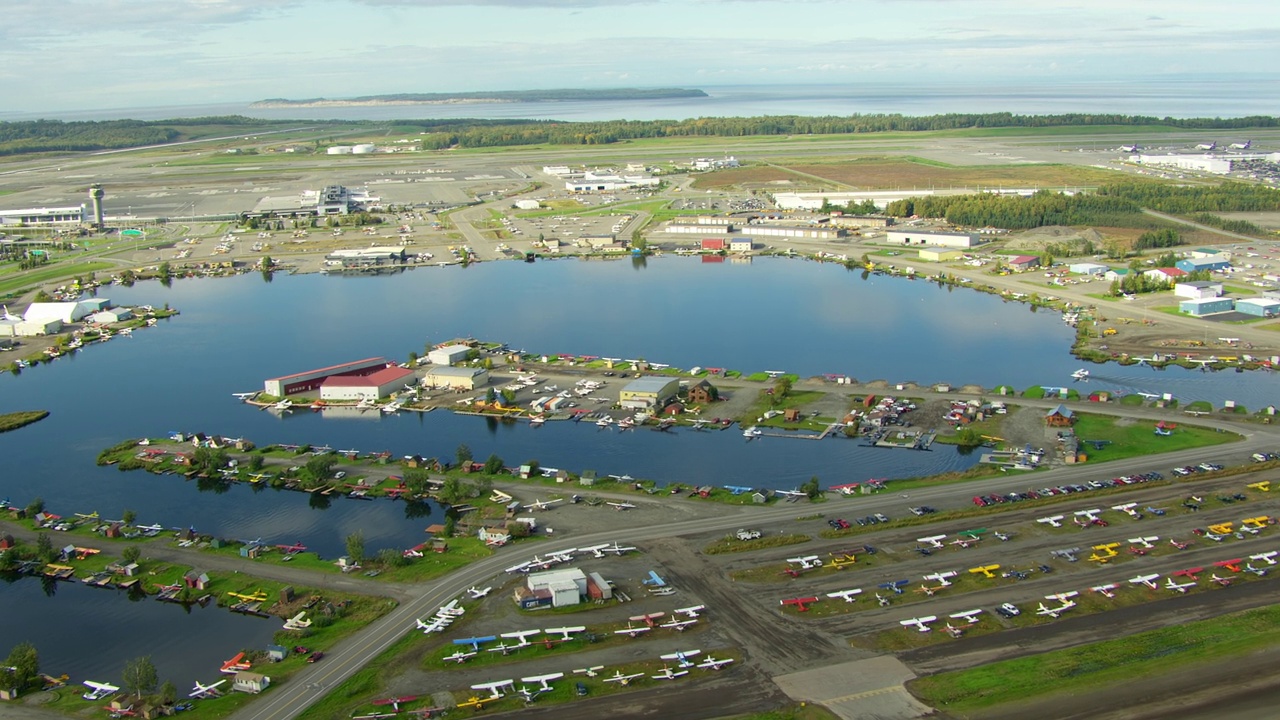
column 1174, row 97
column 771, row 314
column 90, row 633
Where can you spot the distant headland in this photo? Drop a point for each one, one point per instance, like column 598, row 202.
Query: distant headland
column 494, row 96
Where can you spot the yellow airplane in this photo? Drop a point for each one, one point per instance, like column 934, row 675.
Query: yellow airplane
column 256, row 596
column 1264, row 486
column 986, row 570
column 1222, row 528
column 476, row 702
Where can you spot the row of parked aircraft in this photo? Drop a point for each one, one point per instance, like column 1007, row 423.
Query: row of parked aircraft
column 1208, row 146
column 566, row 555
column 533, row 686
column 442, row 619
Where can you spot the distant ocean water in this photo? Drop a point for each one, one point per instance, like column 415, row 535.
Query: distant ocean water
column 1228, row 97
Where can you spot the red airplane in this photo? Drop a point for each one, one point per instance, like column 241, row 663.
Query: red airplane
column 801, row 604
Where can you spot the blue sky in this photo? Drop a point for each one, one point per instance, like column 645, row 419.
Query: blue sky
column 83, row 54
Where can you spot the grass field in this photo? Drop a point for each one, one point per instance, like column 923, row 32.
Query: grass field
column 1086, row 667
column 881, row 172
column 53, row 272
column 1139, row 439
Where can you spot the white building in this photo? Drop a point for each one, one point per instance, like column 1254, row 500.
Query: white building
column 930, row 237
column 558, row 170
column 528, row 204
column 449, row 354
column 591, row 182
column 740, row 245
column 44, row 216
column 65, row 312
column 567, row 586
column 1198, row 163
column 715, row 163
column 375, row 385
column 814, row 200
column 34, row 328
column 114, row 315
column 1198, row 289
column 458, row 378
column 363, row 149
column 340, row 150
column 1088, row 268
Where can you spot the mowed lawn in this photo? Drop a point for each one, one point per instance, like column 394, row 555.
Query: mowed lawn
column 1134, row 438
column 911, row 172
column 1087, row 667
column 53, row 272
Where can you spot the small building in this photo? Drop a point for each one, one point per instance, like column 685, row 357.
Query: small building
column 449, row 354
column 741, row 245
column 276, row 653
column 1213, row 262
column 1088, row 268
column 1022, row 263
column 648, row 392
column 939, row 254
column 1197, row 289
column 375, row 385
column 1060, row 416
column 527, row 599
column 528, row 204
column 1115, row 274
column 35, row 328
column 457, row 378
column 114, row 315
column 929, row 237
column 196, row 580
column 1169, row 275
column 1206, row 306
column 1204, row 252
column 250, row 682
column 1262, row 307
column 702, row 393
column 567, row 586
column 713, row 244
column 598, row 588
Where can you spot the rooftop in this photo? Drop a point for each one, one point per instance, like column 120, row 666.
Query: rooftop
column 381, row 377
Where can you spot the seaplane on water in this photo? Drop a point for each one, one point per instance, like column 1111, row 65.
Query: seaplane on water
column 1080, row 374
column 245, row 396
column 206, row 691
column 284, row 406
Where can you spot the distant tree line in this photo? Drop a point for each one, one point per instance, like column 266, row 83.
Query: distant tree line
column 1117, row 205
column 54, row 135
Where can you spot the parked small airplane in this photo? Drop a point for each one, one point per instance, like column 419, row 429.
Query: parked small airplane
column 1267, row 557
column 1170, row 584
column 678, row 625
column 494, row 688
column 245, row 396
column 846, row 595
column 970, row 616
column 712, row 663
column 543, row 681
column 460, row 656
column 692, row 611
column 297, row 622
column 668, row 674
column 920, row 623
column 621, row 506
column 682, row 656
column 987, row 571
column 521, row 637
column 1148, row 580
column 589, row 671
column 98, row 690
column 800, row 604
column 631, row 631
column 1223, row 581
column 542, row 504
column 621, row 679
column 475, row 642
column 807, row 562
column 206, row 691
column 565, row 633
column 933, row 541
column 1053, row 521
column 1107, row 591
column 477, row 593
column 942, row 578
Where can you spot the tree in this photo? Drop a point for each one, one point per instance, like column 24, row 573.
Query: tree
column 140, row 676
column 493, row 465
column 25, row 663
column 451, row 490
column 255, row 463
column 413, row 359
column 355, row 546
column 44, row 547
column 35, row 507
column 168, row 693
column 128, row 516
column 812, row 489
column 967, row 437
column 463, row 454
column 131, row 554
column 320, row 467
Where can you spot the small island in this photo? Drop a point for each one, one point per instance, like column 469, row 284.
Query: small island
column 493, row 96
column 15, row 420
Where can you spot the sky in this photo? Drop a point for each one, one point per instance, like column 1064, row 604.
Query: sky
column 89, row 54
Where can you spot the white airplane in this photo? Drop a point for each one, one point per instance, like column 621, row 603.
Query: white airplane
column 284, row 405
column 1179, row 588
column 1148, row 580
column 846, row 595
column 617, row 549
column 621, row 506
column 544, row 681
column 477, row 593
column 460, row 657
column 662, row 591
column 451, row 608
column 621, row 679
column 589, row 671
column 682, row 656
column 714, row 664
column 796, row 494
column 1130, row 148
column 632, row 631
column 775, row 373
column 1052, row 612
column 542, row 504
column 807, row 562
column 1267, row 557
column 884, row 601
column 667, row 674
column 969, row 616
column 1089, row 515
column 522, row 637
column 1144, row 542
column 1241, row 146
column 1107, row 591
column 691, row 611
column 1127, row 508
column 206, row 691
column 1260, row 572
column 244, row 397
column 565, row 633
column 98, row 690
column 920, row 623
column 494, row 688
column 595, row 550
column 942, row 578
column 436, row 625
column 297, row 622
column 1207, row 146
column 1053, row 521
column 501, row 647
column 934, row 541
column 156, row 528
column 678, row 625
column 521, row 568
column 1002, row 536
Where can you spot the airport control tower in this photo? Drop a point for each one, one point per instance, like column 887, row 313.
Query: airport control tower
column 96, row 194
